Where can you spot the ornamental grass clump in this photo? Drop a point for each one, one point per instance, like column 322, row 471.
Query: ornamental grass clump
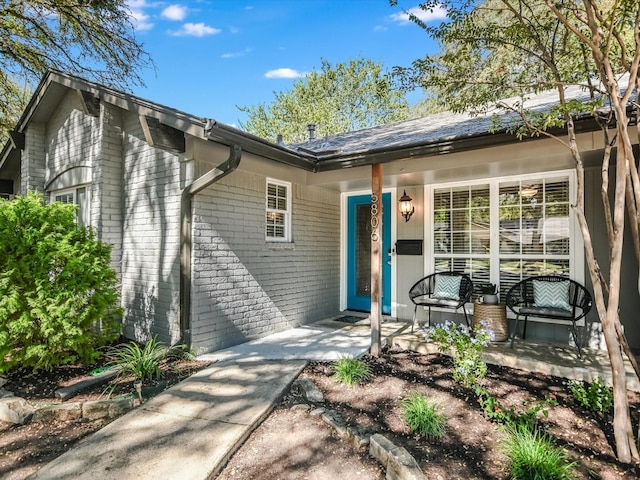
column 351, row 371
column 533, row 455
column 465, row 345
column 423, row 416
column 142, row 362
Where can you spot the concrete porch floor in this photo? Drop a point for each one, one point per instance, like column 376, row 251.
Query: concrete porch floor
column 545, row 359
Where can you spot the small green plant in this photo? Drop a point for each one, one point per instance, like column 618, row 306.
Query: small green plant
column 351, row 371
column 527, row 418
column 423, row 416
column 466, row 346
column 533, row 455
column 489, row 288
column 141, row 362
column 596, row 396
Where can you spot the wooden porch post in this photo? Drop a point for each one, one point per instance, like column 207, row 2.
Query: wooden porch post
column 376, row 257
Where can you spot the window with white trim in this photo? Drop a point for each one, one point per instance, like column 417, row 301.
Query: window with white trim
column 504, row 230
column 278, row 211
column 78, row 196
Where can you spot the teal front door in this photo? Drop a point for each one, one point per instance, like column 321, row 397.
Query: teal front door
column 359, row 253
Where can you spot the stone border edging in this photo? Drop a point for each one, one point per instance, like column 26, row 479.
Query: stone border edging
column 397, row 461
column 18, row 411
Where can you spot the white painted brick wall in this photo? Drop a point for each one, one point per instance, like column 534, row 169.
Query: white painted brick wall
column 245, row 287
column 106, row 190
column 32, row 173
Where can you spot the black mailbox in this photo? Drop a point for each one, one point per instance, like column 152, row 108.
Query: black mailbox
column 409, row 247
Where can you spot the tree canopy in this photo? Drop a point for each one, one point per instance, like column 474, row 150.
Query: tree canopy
column 92, row 39
column 338, row 98
column 491, row 49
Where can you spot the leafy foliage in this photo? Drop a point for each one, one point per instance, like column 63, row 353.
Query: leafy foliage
column 338, row 98
column 351, row 371
column 58, row 293
column 497, row 49
column 494, row 410
column 532, row 455
column 423, row 416
column 466, row 346
column 596, row 396
column 95, row 40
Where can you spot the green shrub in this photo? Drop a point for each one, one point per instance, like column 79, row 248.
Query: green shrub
column 142, row 362
column 532, row 455
column 58, row 293
column 423, row 416
column 351, row 371
column 596, row 396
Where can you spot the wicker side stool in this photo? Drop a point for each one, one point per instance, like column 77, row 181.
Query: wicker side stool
column 495, row 318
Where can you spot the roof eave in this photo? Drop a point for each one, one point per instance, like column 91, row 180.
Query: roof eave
column 337, row 161
column 225, row 134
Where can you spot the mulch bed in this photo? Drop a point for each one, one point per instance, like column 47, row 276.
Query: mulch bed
column 291, row 444
column 470, row 447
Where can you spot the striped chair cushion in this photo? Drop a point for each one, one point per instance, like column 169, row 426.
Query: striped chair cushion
column 447, row 286
column 551, row 294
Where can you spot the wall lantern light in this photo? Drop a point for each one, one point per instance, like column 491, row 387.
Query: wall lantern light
column 406, row 206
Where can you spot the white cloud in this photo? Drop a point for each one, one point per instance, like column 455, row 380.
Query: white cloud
column 380, row 28
column 284, row 73
column 237, row 54
column 196, row 30
column 175, row 12
column 140, row 20
column 438, row 13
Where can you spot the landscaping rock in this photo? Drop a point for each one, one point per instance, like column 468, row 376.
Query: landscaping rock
column 105, row 408
column 5, row 393
column 303, row 407
column 309, row 390
column 64, row 412
column 359, row 436
column 335, row 420
column 15, row 410
column 317, row 411
column 398, row 462
column 120, row 406
column 380, row 448
column 3, row 382
column 402, row 466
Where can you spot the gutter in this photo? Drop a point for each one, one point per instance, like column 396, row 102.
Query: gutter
column 186, row 213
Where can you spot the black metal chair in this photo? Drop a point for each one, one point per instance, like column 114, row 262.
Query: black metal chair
column 521, row 300
column 423, row 293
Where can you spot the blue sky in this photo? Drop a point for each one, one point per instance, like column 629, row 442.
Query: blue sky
column 214, row 55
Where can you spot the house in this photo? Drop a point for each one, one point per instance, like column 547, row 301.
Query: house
column 220, row 236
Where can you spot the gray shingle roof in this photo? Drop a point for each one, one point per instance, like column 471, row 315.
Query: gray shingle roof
column 432, row 129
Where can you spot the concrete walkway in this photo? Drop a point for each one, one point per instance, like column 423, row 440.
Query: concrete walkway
column 191, row 430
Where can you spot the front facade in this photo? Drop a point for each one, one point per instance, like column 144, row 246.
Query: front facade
column 220, row 237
